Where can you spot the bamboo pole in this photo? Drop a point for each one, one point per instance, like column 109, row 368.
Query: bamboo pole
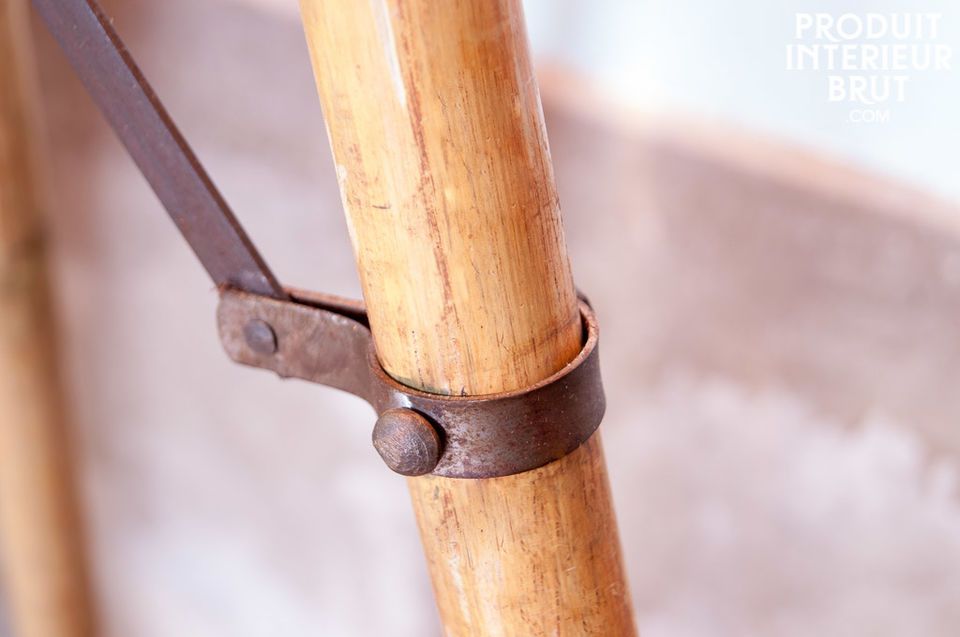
column 436, row 127
column 40, row 546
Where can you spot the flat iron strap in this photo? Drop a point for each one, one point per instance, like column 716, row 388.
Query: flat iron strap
column 118, row 87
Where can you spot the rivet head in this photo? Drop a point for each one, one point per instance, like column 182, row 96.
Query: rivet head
column 407, row 442
column 260, row 337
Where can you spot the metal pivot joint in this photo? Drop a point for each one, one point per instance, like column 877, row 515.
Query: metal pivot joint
column 315, row 337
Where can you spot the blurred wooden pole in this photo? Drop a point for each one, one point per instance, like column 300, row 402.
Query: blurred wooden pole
column 435, row 122
column 40, row 542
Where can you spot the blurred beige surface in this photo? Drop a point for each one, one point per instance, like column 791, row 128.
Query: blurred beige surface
column 780, row 349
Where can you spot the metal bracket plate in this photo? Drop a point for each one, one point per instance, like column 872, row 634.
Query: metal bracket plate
column 313, row 338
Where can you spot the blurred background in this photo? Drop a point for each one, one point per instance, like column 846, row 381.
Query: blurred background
column 779, row 288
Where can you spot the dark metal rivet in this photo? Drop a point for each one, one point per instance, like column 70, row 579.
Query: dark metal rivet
column 407, row 442
column 260, row 336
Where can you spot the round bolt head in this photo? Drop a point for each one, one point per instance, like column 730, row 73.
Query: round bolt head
column 407, row 442
column 260, row 337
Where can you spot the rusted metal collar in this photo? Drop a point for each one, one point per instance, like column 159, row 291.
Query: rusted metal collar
column 325, row 339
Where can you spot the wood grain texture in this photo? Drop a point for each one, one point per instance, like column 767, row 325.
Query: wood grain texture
column 40, row 542
column 532, row 554
column 434, row 118
column 442, row 158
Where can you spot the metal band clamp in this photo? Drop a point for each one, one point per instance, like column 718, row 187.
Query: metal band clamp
column 325, row 339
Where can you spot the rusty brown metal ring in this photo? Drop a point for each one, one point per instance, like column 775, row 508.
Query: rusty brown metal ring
column 324, row 339
column 502, row 434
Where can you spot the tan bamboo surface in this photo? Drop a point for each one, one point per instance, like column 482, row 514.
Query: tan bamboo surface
column 435, row 122
column 40, row 542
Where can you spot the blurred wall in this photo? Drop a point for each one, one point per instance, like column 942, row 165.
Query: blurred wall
column 727, row 61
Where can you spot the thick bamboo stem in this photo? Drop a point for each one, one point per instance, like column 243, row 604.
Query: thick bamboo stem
column 40, row 546
column 436, row 127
